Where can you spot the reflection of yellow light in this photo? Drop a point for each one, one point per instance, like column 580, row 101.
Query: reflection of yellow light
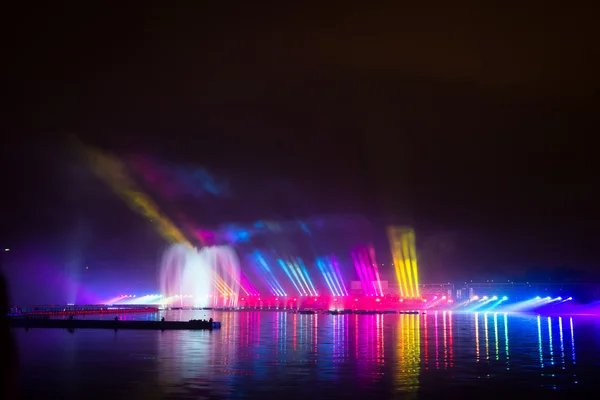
column 408, row 352
column 403, row 248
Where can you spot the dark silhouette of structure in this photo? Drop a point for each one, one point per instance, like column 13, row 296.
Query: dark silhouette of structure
column 8, row 360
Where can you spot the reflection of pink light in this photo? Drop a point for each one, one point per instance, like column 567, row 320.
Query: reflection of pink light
column 334, row 299
column 377, row 300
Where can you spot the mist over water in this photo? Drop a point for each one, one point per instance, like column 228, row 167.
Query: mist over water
column 208, row 277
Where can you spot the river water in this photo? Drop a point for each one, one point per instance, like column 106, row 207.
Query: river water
column 279, row 355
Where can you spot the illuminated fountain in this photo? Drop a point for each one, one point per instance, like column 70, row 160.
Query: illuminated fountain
column 209, row 277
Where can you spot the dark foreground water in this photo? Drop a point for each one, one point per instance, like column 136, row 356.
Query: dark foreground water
column 277, row 355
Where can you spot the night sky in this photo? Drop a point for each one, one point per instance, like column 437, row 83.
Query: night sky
column 475, row 126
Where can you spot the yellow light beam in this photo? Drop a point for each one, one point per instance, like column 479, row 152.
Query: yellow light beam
column 407, row 264
column 114, row 173
column 413, row 260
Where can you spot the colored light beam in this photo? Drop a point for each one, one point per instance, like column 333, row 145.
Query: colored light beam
column 376, row 269
column 322, row 268
column 404, row 254
column 289, row 275
column 336, row 266
column 336, row 279
column 114, row 173
column 299, row 277
column 270, row 278
column 366, row 268
column 359, row 271
column 368, row 283
column 305, row 271
column 249, row 287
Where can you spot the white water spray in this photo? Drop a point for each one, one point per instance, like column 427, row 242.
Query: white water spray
column 209, row 277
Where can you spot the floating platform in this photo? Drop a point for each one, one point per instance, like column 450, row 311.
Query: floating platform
column 28, row 323
column 48, row 311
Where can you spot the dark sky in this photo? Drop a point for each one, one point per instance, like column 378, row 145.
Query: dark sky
column 476, row 126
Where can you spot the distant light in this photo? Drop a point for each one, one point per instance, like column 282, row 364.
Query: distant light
column 450, row 300
column 355, row 299
column 378, row 299
column 242, row 299
column 6, row 249
column 538, row 298
column 495, row 298
column 569, row 298
column 259, row 299
column 434, row 297
column 559, row 298
column 315, row 299
column 294, row 299
column 484, row 298
column 334, row 299
column 443, row 297
column 276, row 298
column 548, row 298
column 424, row 300
column 134, row 295
column 475, row 297
column 504, row 298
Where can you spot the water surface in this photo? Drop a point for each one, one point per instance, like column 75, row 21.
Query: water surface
column 271, row 354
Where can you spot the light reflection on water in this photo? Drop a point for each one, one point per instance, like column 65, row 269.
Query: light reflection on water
column 318, row 356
